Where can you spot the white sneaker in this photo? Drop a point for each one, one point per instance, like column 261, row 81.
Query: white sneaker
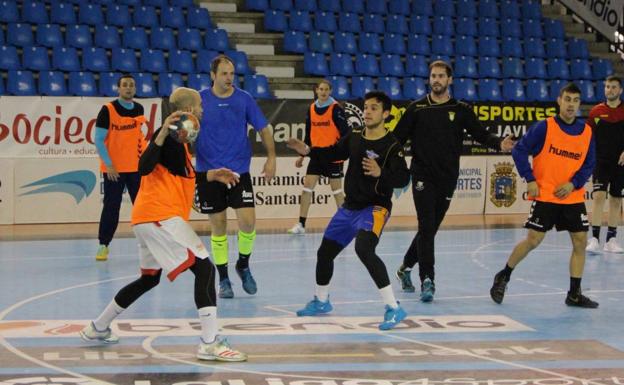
column 593, row 246
column 90, row 334
column 219, row 350
column 613, row 247
column 297, row 229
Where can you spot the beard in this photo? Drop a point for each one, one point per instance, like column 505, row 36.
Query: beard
column 439, row 90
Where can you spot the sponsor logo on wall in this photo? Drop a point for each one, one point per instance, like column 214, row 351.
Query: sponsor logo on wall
column 503, row 185
column 79, row 184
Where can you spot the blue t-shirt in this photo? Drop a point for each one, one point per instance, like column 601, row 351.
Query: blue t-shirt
column 222, row 140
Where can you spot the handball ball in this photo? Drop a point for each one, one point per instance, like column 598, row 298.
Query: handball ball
column 186, row 128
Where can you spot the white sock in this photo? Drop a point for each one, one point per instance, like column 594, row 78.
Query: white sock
column 208, row 321
column 108, row 315
column 322, row 293
column 388, row 296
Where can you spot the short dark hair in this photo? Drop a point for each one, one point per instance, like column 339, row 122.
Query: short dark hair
column 323, row 81
column 614, row 78
column 218, row 60
column 125, row 76
column 442, row 64
column 385, row 100
column 570, row 88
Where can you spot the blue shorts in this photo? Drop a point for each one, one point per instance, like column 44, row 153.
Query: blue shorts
column 346, row 223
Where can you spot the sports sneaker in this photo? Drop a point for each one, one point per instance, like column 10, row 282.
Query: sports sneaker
column 102, row 253
column 219, row 350
column 392, row 317
column 613, row 247
column 315, row 307
column 90, row 334
column 593, row 245
column 427, row 290
column 406, row 280
column 225, row 289
column 249, row 283
column 297, row 229
column 579, row 300
column 497, row 292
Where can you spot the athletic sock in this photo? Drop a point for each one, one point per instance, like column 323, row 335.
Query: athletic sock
column 108, row 315
column 243, row 262
column 322, row 292
column 208, row 322
column 388, row 296
column 302, row 220
column 575, row 285
column 611, row 232
column 223, row 272
column 596, row 232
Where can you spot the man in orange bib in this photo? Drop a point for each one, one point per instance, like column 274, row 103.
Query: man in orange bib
column 563, row 152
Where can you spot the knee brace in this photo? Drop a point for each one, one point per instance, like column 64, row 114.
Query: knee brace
column 337, row 192
column 246, row 242
column 219, row 246
column 307, row 190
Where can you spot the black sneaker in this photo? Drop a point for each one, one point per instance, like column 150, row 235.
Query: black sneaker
column 497, row 292
column 406, row 280
column 579, row 300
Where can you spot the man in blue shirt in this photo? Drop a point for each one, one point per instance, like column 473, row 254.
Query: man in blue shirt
column 223, row 142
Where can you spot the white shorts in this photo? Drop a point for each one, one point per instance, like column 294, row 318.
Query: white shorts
column 170, row 245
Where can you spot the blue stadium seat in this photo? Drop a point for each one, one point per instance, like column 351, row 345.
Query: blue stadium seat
column 118, row 15
column 217, row 39
column 241, row 64
column 20, row 35
column 9, row 59
column 190, row 39
column 156, row 3
column 95, row 59
column 488, row 8
column 556, row 48
column 349, row 22
column 397, row 24
column 162, row 38
column 488, row 46
column 52, row 83
column 295, row 41
column 21, row 83
column 199, row 81
column 414, row 88
column 601, row 68
column 444, row 8
column 199, row 18
column 391, row 65
column 132, row 3
column 106, row 36
column 442, row 45
column 534, row 47
column 511, row 46
column 82, row 84
column 282, row 5
column 416, row 65
column 145, row 85
column 62, row 13
column 315, row 64
column 394, row 43
column 172, row 17
column 8, row 11
column 444, row 58
column 489, row 90
column 422, row 7
column 537, row 91
column 167, row 82
column 577, row 48
column 65, row 59
column 124, row 60
column 256, row 5
column 49, row 35
column 443, row 25
column 145, row 16
column 465, row 45
column 399, row 7
column 2, row 41
column 512, row 28
column 360, row 85
column 78, row 36
column 489, row 68
column 109, row 2
column 391, row 86
column 420, row 25
column 340, row 87
column 181, row 61
column 531, row 9
column 344, row 42
column 580, row 69
column 275, row 20
column 466, row 26
column 376, row 6
column 588, row 92
column 34, row 12
column 558, row 69
column 509, row 9
column 465, row 67
column 305, row 5
column 466, row 8
column 152, row 60
column 134, row 37
column 329, row 5
column 488, row 27
column 354, row 6
column 181, row 3
column 464, row 89
column 513, row 90
column 35, row 58
column 366, row 65
column 553, row 29
column 320, row 42
column 532, row 28
column 108, row 83
column 370, row 43
column 258, row 86
column 555, row 86
column 325, row 21
column 204, row 59
column 341, row 64
column 512, row 68
column 372, row 23
column 300, row 21
column 418, row 44
column 535, row 68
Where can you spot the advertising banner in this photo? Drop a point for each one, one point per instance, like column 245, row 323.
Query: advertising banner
column 603, row 15
column 6, row 192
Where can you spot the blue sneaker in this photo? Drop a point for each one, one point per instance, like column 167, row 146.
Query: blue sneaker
column 392, row 317
column 225, row 289
column 427, row 290
column 315, row 307
column 406, row 280
column 249, row 283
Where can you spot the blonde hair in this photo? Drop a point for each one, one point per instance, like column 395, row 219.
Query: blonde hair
column 183, row 97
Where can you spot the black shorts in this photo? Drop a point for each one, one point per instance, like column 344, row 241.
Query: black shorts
column 545, row 215
column 330, row 170
column 214, row 197
column 609, row 175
